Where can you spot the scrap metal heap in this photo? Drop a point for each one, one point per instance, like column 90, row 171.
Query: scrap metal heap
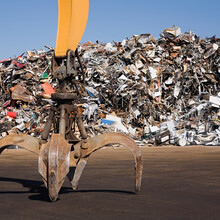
column 163, row 91
column 166, row 91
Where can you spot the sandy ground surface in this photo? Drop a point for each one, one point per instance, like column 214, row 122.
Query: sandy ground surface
column 178, row 183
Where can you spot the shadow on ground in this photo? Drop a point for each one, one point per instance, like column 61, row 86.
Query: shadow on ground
column 40, row 192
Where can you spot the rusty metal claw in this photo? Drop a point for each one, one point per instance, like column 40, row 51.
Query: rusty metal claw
column 56, row 156
column 66, row 150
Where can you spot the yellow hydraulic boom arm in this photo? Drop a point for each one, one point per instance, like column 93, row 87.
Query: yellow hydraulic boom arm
column 72, row 19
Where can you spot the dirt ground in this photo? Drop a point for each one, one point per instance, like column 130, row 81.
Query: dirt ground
column 178, row 183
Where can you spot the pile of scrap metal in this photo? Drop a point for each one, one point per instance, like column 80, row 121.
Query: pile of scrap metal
column 163, row 91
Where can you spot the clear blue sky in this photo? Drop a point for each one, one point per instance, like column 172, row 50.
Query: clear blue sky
column 30, row 24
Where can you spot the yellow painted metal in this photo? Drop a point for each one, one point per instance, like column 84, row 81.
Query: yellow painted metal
column 72, row 19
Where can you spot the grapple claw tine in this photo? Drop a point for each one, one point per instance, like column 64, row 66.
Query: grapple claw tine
column 22, row 140
column 53, row 164
column 94, row 143
column 138, row 170
column 77, row 172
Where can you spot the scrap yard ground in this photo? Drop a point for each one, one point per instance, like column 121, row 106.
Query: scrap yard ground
column 178, row 183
